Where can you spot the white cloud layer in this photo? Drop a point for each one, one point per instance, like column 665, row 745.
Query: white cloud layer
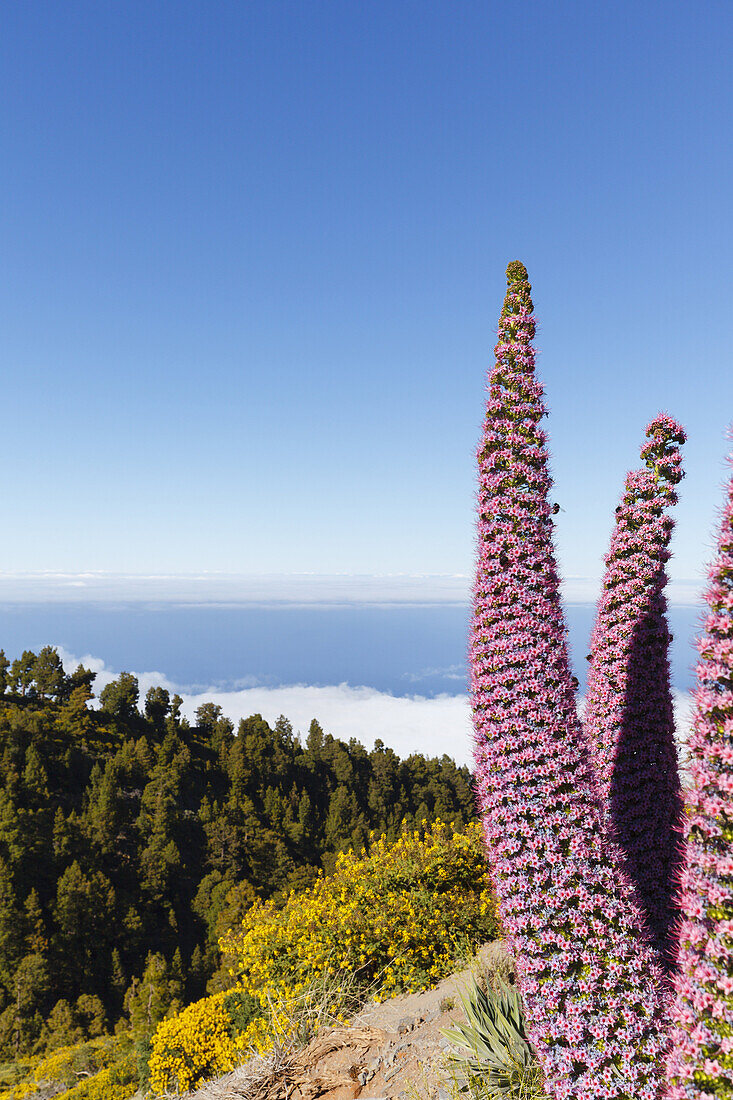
column 306, row 589
column 407, row 724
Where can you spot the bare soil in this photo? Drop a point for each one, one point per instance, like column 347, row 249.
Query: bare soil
column 390, row 1051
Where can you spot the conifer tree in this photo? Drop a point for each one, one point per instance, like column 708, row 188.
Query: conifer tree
column 11, row 926
column 700, row 1065
column 63, row 1026
column 48, row 672
column 117, row 977
column 151, row 997
column 591, row 986
column 629, row 718
column 36, row 940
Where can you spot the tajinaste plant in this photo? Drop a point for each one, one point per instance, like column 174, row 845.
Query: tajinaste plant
column 700, row 1065
column 629, row 718
column 590, row 983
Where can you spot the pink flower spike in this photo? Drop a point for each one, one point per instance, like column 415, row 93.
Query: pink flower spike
column 569, row 909
column 699, row 1063
column 629, row 719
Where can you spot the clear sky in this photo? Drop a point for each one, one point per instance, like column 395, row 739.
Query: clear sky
column 253, row 255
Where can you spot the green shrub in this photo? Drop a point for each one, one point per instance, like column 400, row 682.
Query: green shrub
column 242, row 1008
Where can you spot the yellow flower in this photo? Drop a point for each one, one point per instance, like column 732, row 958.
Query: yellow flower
column 390, row 914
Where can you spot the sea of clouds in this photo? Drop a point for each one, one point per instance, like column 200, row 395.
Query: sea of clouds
column 407, row 724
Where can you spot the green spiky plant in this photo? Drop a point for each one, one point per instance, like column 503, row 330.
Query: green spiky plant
column 492, row 1056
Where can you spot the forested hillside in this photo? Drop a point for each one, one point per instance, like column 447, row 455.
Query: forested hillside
column 131, row 839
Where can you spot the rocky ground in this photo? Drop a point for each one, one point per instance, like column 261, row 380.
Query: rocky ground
column 391, row 1051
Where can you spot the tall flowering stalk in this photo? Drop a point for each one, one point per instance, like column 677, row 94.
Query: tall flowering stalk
column 590, row 983
column 700, row 1065
column 629, row 718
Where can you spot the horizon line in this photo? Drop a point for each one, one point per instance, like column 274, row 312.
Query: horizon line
column 307, row 589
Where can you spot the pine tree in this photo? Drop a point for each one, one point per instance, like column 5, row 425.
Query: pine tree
column 29, row 993
column 700, row 1065
column 11, row 927
column 629, row 718
column 48, row 672
column 157, row 706
column 64, row 1028
column 84, row 912
column 62, row 837
column 117, row 977
column 152, row 997
column 36, row 940
column 20, row 678
column 91, row 1014
column 35, row 780
column 196, row 976
column 120, row 697
column 590, row 985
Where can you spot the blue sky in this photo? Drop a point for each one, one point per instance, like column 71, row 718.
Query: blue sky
column 253, row 256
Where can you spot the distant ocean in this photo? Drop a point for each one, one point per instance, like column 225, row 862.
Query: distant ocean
column 403, row 650
column 395, row 671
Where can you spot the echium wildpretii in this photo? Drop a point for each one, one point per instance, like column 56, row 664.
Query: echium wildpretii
column 629, row 718
column 700, row 1065
column 590, row 984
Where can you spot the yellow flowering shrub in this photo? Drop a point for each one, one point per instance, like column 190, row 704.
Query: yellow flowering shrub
column 396, row 915
column 200, row 1042
column 65, row 1067
column 117, row 1082
column 393, row 917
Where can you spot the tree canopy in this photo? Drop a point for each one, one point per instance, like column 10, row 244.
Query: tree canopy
column 130, row 839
